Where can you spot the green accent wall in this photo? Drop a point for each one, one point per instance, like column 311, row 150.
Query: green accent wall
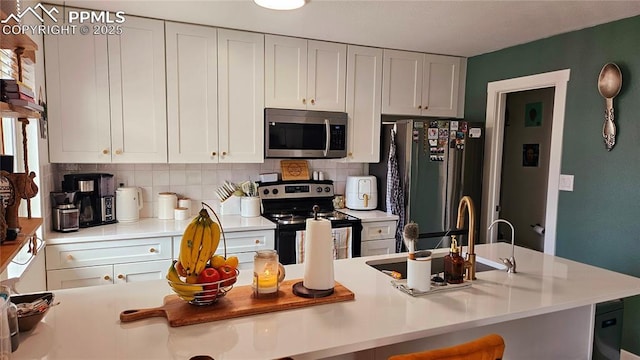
column 599, row 222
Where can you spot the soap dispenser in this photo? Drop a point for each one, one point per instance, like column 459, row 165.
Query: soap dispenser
column 454, row 264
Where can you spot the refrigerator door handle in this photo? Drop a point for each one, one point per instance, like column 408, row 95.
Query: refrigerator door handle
column 327, row 128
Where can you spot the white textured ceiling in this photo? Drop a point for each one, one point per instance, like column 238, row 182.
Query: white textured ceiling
column 464, row 28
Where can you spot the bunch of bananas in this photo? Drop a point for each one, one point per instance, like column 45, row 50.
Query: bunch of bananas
column 184, row 290
column 199, row 242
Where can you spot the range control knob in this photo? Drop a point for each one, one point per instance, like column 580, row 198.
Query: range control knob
column 327, row 189
column 275, row 191
column 319, row 189
column 265, row 191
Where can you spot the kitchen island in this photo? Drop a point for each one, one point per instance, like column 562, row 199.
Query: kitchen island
column 545, row 311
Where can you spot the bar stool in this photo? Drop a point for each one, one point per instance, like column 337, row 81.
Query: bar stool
column 489, row 347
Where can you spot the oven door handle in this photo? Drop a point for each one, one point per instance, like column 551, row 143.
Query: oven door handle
column 327, row 128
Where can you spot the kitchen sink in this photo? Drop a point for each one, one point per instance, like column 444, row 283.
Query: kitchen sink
column 399, row 264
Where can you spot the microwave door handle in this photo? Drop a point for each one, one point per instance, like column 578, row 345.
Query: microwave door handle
column 327, row 128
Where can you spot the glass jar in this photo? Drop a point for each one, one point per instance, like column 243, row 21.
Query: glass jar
column 268, row 273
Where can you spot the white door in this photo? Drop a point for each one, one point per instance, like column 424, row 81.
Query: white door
column 142, row 271
column 241, row 96
column 402, row 82
column 192, row 93
column 440, row 85
column 525, row 165
column 326, row 70
column 137, row 92
column 77, row 74
column 285, row 60
column 364, row 94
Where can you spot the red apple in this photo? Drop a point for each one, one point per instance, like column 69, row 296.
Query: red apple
column 180, row 269
column 209, row 275
column 227, row 272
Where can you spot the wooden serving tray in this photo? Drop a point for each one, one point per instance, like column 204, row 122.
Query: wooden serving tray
column 294, row 169
column 236, row 303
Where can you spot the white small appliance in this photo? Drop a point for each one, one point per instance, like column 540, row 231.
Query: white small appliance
column 128, row 204
column 361, row 192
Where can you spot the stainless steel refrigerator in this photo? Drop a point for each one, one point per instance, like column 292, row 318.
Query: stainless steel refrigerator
column 439, row 161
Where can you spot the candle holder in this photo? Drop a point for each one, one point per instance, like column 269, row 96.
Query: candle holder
column 268, row 273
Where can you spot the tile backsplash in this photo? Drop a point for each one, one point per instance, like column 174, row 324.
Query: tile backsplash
column 197, row 181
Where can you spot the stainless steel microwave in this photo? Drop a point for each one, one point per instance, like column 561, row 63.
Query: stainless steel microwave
column 305, row 134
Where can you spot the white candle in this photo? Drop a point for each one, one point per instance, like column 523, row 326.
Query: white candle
column 318, row 255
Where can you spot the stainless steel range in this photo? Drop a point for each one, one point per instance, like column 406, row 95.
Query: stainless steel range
column 289, row 203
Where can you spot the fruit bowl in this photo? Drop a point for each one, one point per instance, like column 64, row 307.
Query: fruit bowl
column 27, row 320
column 203, row 293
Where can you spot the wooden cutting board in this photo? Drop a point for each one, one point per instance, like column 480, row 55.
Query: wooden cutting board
column 236, row 303
column 294, row 169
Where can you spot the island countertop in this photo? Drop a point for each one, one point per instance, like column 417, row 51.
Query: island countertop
column 85, row 324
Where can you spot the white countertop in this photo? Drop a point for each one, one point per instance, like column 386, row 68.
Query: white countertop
column 85, row 324
column 153, row 227
column 370, row 215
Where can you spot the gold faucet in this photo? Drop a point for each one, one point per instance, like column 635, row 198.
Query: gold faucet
column 470, row 263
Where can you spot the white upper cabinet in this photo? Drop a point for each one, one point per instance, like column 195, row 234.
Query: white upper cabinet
column 304, row 74
column 421, row 84
column 106, row 95
column 364, row 94
column 241, row 96
column 77, row 73
column 192, row 93
column 138, row 92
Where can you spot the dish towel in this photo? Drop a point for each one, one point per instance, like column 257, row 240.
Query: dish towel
column 341, row 244
column 395, row 195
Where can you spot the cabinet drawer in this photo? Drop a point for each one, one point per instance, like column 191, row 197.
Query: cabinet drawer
column 378, row 247
column 107, row 252
column 378, row 230
column 149, row 270
column 238, row 242
column 79, row 277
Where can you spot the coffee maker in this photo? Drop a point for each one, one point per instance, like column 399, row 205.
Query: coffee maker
column 95, row 197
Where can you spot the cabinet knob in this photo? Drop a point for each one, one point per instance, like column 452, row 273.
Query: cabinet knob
column 426, row 107
column 119, row 152
column 350, row 154
column 419, row 106
column 105, row 151
column 379, row 231
column 313, row 101
column 152, row 250
column 213, row 153
column 304, row 101
column 107, row 277
column 69, row 257
column 224, row 153
column 120, row 276
column 257, row 241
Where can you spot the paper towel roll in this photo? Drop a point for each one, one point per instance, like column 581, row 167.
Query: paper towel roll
column 167, row 201
column 318, row 255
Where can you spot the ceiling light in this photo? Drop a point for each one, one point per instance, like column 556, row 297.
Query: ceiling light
column 281, row 4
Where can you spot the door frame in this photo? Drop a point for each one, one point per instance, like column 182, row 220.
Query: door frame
column 495, row 117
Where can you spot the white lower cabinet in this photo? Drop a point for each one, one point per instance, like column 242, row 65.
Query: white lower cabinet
column 107, row 262
column 243, row 244
column 378, row 238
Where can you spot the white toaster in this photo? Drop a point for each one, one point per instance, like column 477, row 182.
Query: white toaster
column 361, row 193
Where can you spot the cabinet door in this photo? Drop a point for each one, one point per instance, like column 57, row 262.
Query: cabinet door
column 440, row 85
column 327, row 69
column 192, row 93
column 138, row 92
column 364, row 89
column 79, row 277
column 77, row 74
column 402, row 82
column 285, row 60
column 241, row 96
column 143, row 271
column 378, row 247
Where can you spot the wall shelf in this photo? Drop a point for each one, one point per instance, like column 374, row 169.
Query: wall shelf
column 9, row 249
column 15, row 41
column 12, row 111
